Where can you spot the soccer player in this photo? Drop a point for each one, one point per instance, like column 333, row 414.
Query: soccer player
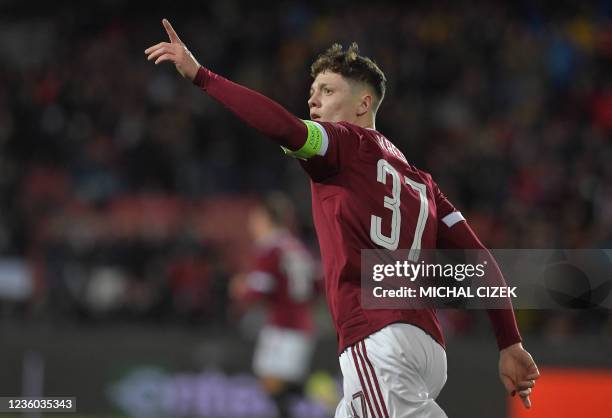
column 365, row 195
column 283, row 277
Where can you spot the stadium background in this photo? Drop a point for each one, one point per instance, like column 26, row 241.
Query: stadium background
column 123, row 188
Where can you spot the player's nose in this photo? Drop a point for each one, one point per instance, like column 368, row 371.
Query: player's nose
column 314, row 102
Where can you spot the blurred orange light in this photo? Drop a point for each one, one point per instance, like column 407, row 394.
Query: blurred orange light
column 568, row 393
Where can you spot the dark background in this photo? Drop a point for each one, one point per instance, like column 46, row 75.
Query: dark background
column 123, row 188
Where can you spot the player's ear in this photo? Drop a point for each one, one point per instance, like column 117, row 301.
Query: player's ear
column 365, row 104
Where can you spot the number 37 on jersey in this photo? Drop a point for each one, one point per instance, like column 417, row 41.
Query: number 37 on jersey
column 386, row 173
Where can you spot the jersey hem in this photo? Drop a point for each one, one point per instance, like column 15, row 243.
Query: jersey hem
column 343, row 345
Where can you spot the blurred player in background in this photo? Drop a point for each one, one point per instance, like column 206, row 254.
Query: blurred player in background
column 365, row 194
column 283, row 277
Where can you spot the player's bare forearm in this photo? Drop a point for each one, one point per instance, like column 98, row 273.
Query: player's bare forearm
column 255, row 109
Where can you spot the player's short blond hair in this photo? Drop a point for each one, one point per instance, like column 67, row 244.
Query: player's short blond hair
column 349, row 64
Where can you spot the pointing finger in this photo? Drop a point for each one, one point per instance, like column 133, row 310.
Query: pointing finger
column 171, row 32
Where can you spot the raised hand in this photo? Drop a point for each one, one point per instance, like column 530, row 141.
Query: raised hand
column 174, row 51
column 518, row 372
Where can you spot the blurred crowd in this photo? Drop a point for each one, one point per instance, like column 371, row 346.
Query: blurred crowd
column 123, row 188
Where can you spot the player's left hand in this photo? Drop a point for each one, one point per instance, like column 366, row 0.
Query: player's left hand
column 174, row 51
column 518, row 372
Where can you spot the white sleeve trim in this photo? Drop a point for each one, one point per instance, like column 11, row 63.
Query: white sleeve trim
column 452, row 218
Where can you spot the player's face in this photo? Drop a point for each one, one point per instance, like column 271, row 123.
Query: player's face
column 332, row 99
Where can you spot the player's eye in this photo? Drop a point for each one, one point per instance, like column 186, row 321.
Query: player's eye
column 326, row 90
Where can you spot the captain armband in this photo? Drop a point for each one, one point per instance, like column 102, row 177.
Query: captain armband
column 316, row 142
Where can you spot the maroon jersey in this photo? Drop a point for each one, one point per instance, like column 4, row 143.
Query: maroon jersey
column 283, row 275
column 366, row 195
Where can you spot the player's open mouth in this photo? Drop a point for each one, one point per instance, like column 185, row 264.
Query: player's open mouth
column 314, row 116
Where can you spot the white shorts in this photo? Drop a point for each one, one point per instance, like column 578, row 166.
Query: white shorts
column 283, row 353
column 396, row 372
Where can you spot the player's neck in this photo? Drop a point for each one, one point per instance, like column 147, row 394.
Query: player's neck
column 366, row 122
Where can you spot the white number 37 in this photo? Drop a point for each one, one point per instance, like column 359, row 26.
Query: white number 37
column 393, row 203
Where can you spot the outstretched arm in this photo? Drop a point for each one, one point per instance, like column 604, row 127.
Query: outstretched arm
column 301, row 138
column 517, row 370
